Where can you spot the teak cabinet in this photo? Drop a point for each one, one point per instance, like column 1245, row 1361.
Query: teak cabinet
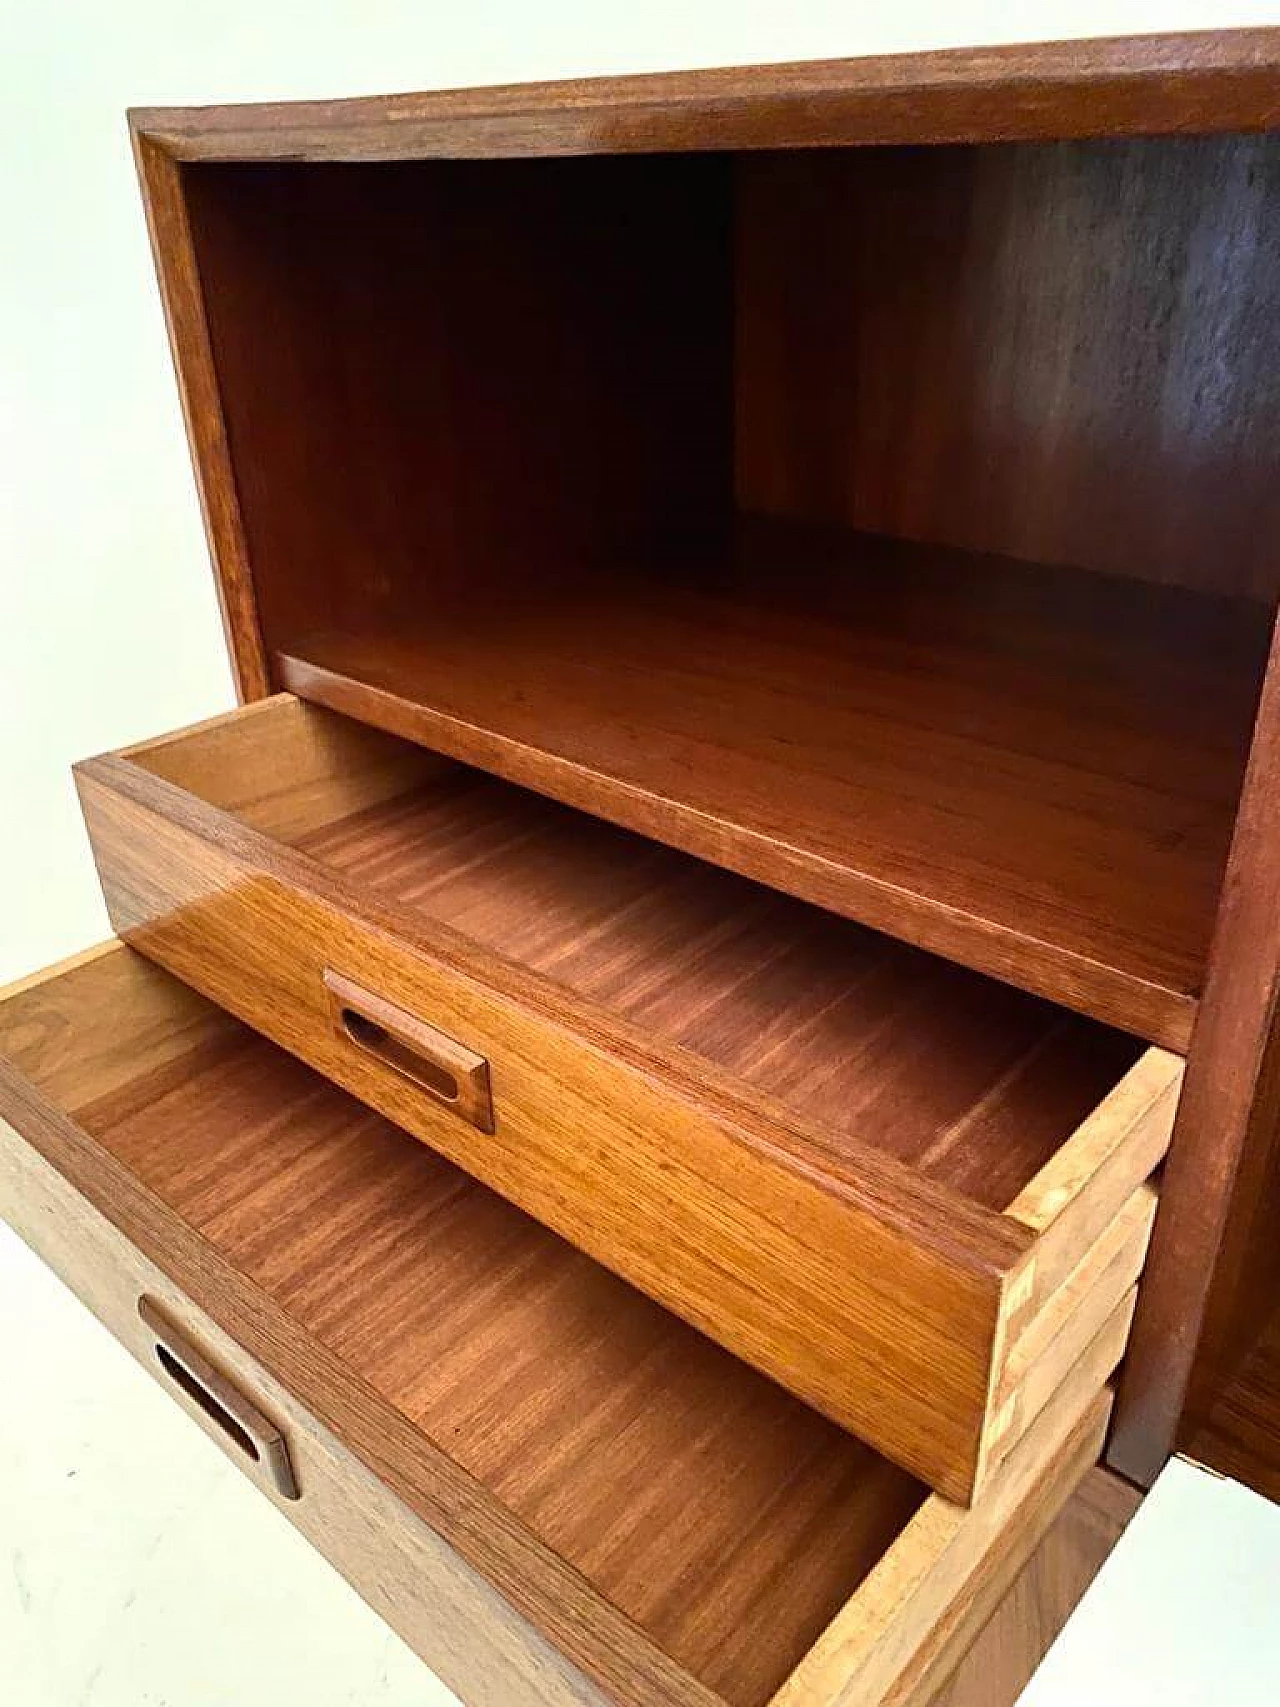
column 700, row 1049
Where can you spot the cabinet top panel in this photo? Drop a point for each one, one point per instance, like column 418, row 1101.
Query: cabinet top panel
column 1226, row 80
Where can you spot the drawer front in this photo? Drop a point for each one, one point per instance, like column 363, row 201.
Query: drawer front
column 468, row 1634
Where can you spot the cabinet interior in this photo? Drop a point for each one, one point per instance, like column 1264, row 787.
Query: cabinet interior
column 891, row 525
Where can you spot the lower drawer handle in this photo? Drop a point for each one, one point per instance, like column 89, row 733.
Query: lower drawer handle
column 206, row 1390
column 448, row 1071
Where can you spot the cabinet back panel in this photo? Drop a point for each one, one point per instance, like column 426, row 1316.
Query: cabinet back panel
column 448, row 377
column 444, row 377
column 1066, row 352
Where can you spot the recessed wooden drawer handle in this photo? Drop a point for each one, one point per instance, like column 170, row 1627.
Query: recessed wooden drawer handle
column 448, row 1071
column 207, row 1390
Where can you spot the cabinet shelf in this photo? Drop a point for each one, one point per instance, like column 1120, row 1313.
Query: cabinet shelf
column 1033, row 771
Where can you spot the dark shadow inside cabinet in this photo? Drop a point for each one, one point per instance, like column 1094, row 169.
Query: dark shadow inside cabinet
column 1232, row 1419
column 1240, row 1434
column 890, row 525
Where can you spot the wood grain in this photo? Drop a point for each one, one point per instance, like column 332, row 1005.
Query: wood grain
column 1076, row 1195
column 1215, row 1238
column 892, row 1104
column 657, row 937
column 164, row 195
column 684, row 1528
column 368, row 353
column 1033, row 773
column 1198, row 82
column 1072, row 1353
column 894, row 1626
column 467, row 1632
column 1240, row 1436
column 1093, row 1307
column 871, row 1042
column 469, row 1635
column 664, row 1489
column 284, row 771
column 1064, row 353
column 394, row 350
column 1018, row 1628
column 1107, row 1271
column 713, row 1200
column 1245, row 1283
column 166, row 1026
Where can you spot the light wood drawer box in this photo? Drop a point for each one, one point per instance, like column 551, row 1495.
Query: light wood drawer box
column 554, row 1489
column 882, row 1179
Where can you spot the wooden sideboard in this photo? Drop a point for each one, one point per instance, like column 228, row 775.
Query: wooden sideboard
column 700, row 1048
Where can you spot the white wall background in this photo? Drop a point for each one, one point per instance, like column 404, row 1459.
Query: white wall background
column 108, row 625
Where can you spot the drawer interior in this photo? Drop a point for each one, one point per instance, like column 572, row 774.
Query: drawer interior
column 567, row 1434
column 866, row 1040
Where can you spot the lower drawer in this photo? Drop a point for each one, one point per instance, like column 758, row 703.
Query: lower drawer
column 877, row 1177
column 557, row 1491
column 471, row 1637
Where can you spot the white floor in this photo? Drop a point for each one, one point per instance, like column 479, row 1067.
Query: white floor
column 137, row 1567
column 1183, row 1613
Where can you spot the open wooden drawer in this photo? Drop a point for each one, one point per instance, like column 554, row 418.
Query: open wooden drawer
column 464, row 1403
column 909, row 1193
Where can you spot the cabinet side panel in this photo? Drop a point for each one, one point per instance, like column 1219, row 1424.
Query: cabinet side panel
column 164, row 193
column 1245, row 1293
column 1210, row 1252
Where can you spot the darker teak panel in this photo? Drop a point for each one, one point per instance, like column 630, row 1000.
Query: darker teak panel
column 1214, row 1267
column 1066, row 353
column 484, row 417
column 447, row 384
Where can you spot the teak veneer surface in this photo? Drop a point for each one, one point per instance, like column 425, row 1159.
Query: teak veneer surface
column 1020, row 350
column 1197, row 81
column 1031, row 771
column 1000, row 1663
column 695, row 1495
column 1241, row 1436
column 725, row 1518
column 467, row 1632
column 1092, row 382
column 967, row 1080
column 907, row 1174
